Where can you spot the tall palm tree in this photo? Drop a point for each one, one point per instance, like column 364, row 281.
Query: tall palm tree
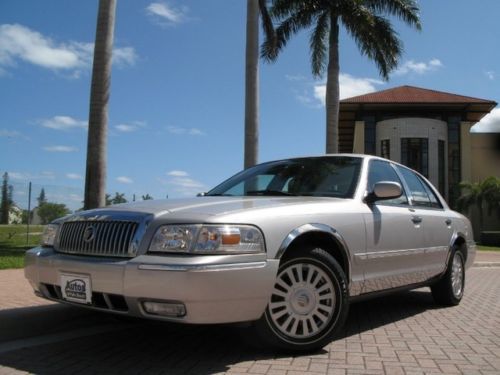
column 364, row 20
column 254, row 7
column 95, row 177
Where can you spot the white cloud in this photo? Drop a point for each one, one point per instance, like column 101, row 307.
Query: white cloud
column 60, row 148
column 123, row 56
column 11, row 134
column 176, row 173
column 295, row 77
column 194, row 131
column 47, row 175
column 182, row 183
column 166, row 14
column 489, row 124
column 18, row 42
column 349, row 86
column 124, row 180
column 490, row 74
column 415, row 67
column 128, row 128
column 181, row 131
column 63, row 123
column 73, row 176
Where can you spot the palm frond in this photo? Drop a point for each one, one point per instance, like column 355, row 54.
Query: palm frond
column 318, row 44
column 406, row 10
column 282, row 9
column 267, row 22
column 290, row 26
column 374, row 36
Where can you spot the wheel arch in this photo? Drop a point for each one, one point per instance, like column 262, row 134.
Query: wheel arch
column 322, row 235
column 458, row 240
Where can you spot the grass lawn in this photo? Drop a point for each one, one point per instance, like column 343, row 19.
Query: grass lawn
column 487, row 248
column 13, row 244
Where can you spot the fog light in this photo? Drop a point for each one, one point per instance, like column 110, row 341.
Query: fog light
column 164, row 308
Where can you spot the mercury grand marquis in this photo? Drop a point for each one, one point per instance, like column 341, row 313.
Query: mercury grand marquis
column 285, row 245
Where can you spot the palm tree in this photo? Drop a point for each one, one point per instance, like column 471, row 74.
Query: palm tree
column 254, row 7
column 478, row 194
column 364, row 21
column 95, row 177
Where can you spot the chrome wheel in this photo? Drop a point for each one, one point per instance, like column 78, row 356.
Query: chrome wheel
column 303, row 301
column 457, row 275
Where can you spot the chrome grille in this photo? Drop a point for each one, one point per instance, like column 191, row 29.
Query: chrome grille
column 101, row 238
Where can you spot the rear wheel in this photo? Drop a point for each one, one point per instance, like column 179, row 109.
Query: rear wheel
column 308, row 304
column 450, row 289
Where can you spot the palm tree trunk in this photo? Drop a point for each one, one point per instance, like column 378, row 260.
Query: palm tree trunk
column 252, row 85
column 95, row 177
column 332, row 89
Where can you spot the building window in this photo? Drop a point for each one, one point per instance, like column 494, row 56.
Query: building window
column 454, row 160
column 385, row 148
column 441, row 167
column 415, row 154
column 370, row 134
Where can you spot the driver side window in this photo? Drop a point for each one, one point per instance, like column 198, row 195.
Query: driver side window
column 380, row 170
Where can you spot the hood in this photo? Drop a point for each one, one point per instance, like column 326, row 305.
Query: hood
column 208, row 206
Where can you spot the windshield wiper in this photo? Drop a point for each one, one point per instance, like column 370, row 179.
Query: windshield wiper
column 269, row 192
column 218, row 195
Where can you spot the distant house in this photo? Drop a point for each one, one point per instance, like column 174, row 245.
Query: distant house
column 15, row 215
column 35, row 218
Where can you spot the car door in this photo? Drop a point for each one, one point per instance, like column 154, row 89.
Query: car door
column 435, row 219
column 395, row 239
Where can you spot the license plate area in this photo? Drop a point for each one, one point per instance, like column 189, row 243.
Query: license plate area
column 76, row 288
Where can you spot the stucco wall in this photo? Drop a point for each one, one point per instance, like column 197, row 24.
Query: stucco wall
column 433, row 130
column 485, row 156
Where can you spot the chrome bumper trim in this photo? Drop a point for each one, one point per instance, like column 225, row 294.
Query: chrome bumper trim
column 202, row 267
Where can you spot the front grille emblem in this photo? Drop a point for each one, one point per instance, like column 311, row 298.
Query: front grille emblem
column 89, row 234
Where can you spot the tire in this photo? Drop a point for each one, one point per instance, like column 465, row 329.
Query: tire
column 449, row 290
column 309, row 303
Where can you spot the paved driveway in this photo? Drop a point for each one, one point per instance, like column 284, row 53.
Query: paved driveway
column 402, row 334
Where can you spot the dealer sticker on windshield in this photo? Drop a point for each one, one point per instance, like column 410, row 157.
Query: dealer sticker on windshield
column 76, row 288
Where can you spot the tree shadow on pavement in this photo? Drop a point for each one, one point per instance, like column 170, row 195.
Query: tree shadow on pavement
column 162, row 348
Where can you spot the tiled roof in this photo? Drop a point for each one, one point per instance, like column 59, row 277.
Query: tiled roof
column 414, row 95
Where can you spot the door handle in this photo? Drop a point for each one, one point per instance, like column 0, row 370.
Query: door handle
column 416, row 219
column 448, row 222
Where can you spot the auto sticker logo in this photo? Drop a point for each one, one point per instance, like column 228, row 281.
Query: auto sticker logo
column 89, row 234
column 76, row 289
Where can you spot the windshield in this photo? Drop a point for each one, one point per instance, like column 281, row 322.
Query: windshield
column 329, row 176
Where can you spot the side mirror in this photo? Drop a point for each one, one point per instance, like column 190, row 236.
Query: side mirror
column 385, row 190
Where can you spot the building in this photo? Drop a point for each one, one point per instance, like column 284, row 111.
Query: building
column 426, row 130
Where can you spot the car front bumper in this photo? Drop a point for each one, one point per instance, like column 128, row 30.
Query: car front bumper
column 213, row 289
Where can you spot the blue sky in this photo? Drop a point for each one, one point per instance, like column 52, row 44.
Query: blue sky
column 177, row 106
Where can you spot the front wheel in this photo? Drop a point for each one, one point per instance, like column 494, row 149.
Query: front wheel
column 450, row 289
column 309, row 303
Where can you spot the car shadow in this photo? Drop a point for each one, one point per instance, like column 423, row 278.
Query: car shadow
column 139, row 346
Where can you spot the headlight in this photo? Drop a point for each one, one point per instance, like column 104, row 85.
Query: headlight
column 207, row 239
column 49, row 235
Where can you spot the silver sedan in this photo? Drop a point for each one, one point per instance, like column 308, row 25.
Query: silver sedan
column 286, row 245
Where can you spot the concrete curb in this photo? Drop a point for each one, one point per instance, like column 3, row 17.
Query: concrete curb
column 486, row 264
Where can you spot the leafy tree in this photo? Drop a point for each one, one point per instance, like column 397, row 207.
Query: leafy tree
column 254, row 7
column 117, row 199
column 25, row 215
column 50, row 211
column 364, row 20
column 41, row 198
column 479, row 194
column 95, row 177
column 6, row 200
column 147, row 197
